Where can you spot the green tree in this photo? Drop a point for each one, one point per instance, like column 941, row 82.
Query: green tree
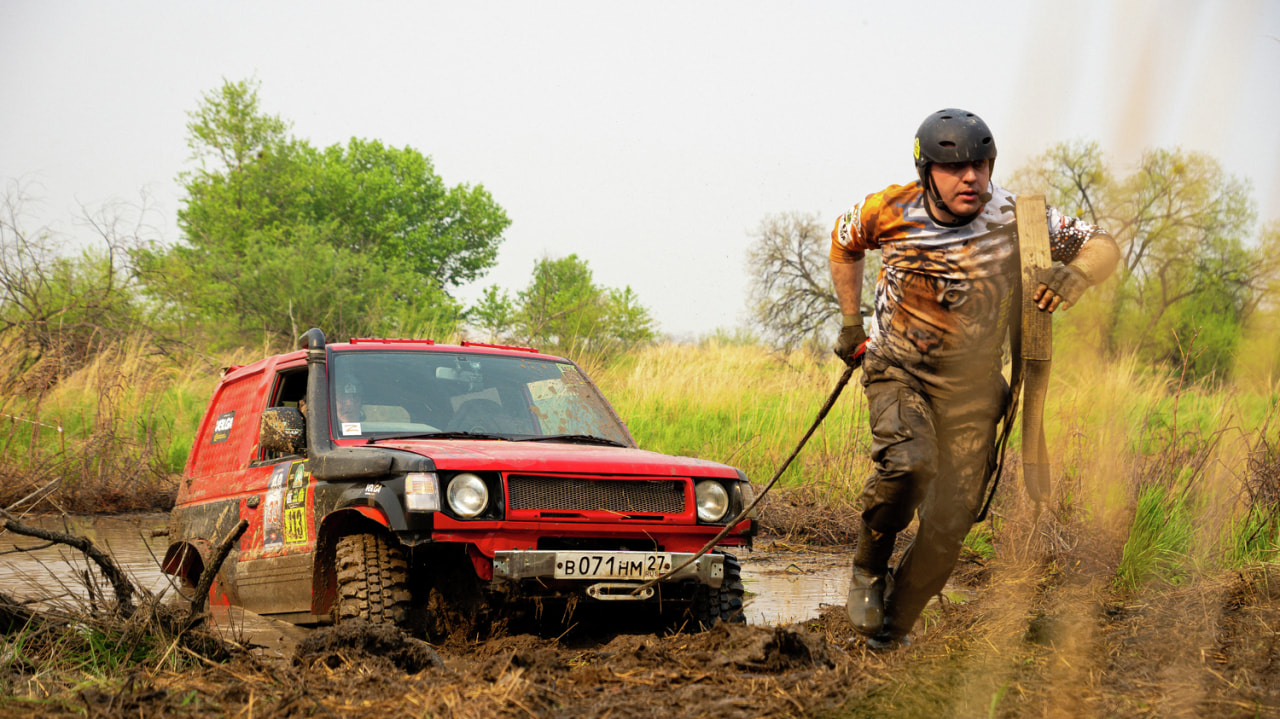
column 249, row 171
column 1188, row 267
column 625, row 318
column 495, row 313
column 359, row 239
column 564, row 309
column 291, row 270
column 390, row 203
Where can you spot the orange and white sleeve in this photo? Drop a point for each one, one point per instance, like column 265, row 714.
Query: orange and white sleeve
column 850, row 238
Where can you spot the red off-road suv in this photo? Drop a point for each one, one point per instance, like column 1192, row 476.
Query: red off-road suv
column 398, row 480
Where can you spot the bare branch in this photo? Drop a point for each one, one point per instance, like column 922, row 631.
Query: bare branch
column 211, row 572
column 790, row 291
column 119, row 582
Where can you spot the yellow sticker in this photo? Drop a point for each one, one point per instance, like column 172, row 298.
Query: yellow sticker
column 295, row 525
column 917, row 150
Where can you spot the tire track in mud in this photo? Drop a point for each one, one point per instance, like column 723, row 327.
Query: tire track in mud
column 1022, row 641
column 1048, row 634
column 1029, row 642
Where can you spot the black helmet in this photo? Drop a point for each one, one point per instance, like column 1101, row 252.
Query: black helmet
column 951, row 135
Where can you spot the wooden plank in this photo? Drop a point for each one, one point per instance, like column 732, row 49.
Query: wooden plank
column 1033, row 244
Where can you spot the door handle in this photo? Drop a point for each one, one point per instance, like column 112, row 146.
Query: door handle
column 254, row 501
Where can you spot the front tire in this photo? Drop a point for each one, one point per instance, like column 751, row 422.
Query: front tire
column 372, row 580
column 723, row 604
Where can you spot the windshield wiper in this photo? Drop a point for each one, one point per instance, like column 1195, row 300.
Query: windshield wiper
column 574, row 438
column 439, row 435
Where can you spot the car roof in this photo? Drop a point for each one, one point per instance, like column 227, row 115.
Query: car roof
column 364, row 344
column 424, row 345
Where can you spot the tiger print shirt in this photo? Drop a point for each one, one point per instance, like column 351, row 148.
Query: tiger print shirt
column 944, row 295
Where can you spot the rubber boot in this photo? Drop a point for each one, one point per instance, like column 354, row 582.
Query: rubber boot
column 891, row 635
column 887, row 641
column 867, row 585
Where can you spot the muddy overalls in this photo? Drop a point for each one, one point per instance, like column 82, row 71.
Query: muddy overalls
column 935, row 394
column 933, row 447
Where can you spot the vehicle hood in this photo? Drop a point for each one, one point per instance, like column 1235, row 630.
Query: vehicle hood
column 557, row 457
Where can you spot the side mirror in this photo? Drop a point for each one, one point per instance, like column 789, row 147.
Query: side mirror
column 283, row 430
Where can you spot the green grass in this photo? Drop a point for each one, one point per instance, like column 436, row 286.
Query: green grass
column 1160, row 540
column 980, row 539
column 743, row 406
column 1254, row 539
column 1176, row 468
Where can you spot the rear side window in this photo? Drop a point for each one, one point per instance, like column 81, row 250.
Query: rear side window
column 229, row 434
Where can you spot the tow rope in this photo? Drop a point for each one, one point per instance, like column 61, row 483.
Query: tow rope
column 854, row 363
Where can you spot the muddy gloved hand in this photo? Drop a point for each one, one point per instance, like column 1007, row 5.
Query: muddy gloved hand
column 1064, row 285
column 851, row 339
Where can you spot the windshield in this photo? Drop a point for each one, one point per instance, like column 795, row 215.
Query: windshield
column 379, row 395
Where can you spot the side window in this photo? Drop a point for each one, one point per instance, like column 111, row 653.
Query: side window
column 289, row 390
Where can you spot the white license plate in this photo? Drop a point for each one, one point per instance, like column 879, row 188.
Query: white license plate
column 611, row 565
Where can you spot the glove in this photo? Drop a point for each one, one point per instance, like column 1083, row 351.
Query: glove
column 851, row 339
column 1067, row 283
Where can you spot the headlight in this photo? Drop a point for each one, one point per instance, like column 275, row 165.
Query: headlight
column 422, row 492
column 712, row 499
column 468, row 495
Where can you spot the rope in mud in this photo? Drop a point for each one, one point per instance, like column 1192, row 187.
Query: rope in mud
column 822, row 414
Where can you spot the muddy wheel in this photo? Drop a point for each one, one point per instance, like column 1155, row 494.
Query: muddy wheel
column 712, row 606
column 372, row 580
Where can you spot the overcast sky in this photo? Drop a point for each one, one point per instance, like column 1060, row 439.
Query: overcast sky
column 649, row 139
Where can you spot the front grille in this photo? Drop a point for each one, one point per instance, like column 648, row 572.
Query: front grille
column 654, row 496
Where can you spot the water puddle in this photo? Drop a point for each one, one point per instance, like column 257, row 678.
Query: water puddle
column 54, row 573
column 790, row 586
column 783, row 586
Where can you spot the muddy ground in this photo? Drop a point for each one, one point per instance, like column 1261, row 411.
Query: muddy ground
column 1040, row 635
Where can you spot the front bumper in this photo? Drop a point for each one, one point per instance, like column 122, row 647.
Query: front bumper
column 515, row 565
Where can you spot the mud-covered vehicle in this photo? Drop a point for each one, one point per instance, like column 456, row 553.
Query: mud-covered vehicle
column 421, row 484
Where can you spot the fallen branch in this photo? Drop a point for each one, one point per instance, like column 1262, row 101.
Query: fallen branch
column 52, row 482
column 13, row 615
column 211, row 572
column 119, row 581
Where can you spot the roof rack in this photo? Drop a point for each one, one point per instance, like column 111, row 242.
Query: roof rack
column 389, row 340
column 499, row 347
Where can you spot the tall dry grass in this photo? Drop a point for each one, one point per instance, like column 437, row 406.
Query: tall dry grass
column 111, row 436
column 1183, row 476
column 748, row 407
column 1152, row 473
column 1161, row 466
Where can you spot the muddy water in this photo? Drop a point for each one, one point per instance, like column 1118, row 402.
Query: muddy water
column 790, row 586
column 782, row 586
column 53, row 572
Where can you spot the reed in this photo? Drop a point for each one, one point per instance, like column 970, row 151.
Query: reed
column 1182, row 473
column 1187, row 474
column 110, row 436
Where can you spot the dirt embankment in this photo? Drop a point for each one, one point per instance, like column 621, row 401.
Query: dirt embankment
column 1033, row 639
column 1039, row 630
